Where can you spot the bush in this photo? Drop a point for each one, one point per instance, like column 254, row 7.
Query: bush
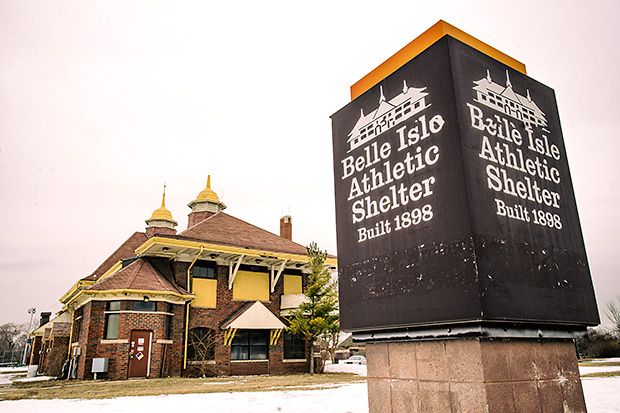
column 600, row 343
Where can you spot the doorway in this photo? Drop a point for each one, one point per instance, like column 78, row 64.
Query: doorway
column 140, row 353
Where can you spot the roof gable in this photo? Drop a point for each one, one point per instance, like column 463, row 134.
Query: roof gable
column 126, row 250
column 257, row 317
column 139, row 275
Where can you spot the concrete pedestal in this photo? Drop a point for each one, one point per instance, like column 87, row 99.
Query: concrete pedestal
column 474, row 375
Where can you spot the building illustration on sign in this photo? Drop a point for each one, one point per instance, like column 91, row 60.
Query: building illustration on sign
column 387, row 115
column 506, row 100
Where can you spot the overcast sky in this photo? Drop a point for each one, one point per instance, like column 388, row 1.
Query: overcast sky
column 101, row 102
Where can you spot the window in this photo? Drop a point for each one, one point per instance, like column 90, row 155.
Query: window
column 144, row 305
column 168, row 332
column 294, row 347
column 204, row 269
column 249, row 345
column 111, row 320
column 77, row 326
column 201, row 344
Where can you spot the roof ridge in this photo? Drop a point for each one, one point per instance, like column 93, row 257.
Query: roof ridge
column 201, row 221
column 137, row 271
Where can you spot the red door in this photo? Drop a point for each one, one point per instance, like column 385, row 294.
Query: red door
column 140, row 353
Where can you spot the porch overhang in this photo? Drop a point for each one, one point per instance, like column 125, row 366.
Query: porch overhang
column 85, row 296
column 187, row 250
column 255, row 317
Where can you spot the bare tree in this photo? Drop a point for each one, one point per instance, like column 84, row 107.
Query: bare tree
column 612, row 312
column 201, row 350
column 12, row 336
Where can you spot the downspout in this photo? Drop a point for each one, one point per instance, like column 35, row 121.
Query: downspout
column 189, row 269
column 70, row 334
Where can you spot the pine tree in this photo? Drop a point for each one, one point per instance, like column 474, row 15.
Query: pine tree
column 318, row 313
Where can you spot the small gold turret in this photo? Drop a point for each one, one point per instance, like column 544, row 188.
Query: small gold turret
column 206, row 204
column 161, row 221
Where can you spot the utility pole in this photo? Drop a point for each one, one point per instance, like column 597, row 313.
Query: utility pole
column 31, row 311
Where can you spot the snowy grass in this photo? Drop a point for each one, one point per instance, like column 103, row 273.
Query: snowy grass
column 602, row 396
column 599, row 368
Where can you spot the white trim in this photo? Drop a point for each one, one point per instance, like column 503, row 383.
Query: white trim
column 294, row 360
column 162, row 341
column 201, row 362
column 113, row 341
column 136, row 312
column 148, row 365
column 250, row 361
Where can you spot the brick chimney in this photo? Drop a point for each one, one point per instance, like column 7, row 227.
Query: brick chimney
column 45, row 318
column 286, row 227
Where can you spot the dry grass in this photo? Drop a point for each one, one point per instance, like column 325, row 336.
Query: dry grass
column 75, row 389
column 592, row 363
column 602, row 374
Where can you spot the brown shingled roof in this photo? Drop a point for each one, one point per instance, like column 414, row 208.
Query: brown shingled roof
column 139, row 275
column 62, row 329
column 225, row 229
column 126, row 250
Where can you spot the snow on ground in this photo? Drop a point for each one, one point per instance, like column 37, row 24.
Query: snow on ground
column 602, row 396
column 599, row 369
column 346, row 368
column 349, row 398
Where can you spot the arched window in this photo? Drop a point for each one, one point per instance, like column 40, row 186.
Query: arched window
column 201, row 344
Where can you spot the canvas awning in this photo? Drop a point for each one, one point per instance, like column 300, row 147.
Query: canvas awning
column 255, row 317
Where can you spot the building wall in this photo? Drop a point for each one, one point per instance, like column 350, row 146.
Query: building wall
column 227, row 306
column 167, row 355
column 164, row 352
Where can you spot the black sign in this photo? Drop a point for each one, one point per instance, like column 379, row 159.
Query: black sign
column 454, row 200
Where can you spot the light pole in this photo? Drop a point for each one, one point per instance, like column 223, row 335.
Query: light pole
column 31, row 311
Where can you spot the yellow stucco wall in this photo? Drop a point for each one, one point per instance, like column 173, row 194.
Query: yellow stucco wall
column 206, row 293
column 251, row 286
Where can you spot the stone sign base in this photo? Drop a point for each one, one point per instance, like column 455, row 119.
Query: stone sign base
column 474, row 375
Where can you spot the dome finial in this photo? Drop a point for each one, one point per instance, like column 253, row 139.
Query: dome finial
column 207, row 193
column 161, row 213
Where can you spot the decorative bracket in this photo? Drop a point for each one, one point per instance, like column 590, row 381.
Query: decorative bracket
column 229, row 335
column 276, row 277
column 274, row 336
column 232, row 273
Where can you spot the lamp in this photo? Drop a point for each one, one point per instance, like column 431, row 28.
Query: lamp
column 145, row 299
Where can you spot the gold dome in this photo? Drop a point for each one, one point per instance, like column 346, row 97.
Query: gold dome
column 207, row 194
column 162, row 213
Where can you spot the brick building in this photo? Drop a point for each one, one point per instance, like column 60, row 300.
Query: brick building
column 50, row 343
column 210, row 300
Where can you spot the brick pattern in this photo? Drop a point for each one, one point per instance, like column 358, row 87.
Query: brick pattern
column 286, row 227
column 196, row 217
column 152, row 231
column 166, row 357
column 474, row 375
column 93, row 329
